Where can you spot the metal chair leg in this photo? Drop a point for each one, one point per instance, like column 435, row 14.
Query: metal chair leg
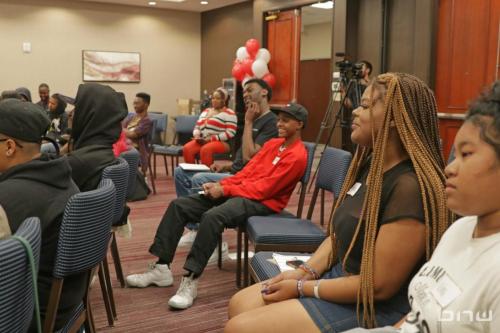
column 238, row 259
column 109, row 287
column 219, row 260
column 166, row 165
column 172, row 164
column 152, row 179
column 245, row 259
column 116, row 260
column 105, row 295
column 154, row 164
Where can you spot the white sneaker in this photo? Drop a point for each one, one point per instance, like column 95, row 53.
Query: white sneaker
column 157, row 274
column 215, row 256
column 188, row 238
column 185, row 295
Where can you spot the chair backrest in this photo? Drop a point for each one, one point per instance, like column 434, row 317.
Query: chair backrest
column 160, row 126
column 119, row 174
column 16, row 281
column 184, row 126
column 152, row 131
column 132, row 158
column 332, row 169
column 310, row 147
column 85, row 230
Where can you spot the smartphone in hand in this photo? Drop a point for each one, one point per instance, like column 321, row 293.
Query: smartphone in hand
column 294, row 263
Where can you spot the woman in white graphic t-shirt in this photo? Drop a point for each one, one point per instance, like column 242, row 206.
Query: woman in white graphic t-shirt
column 458, row 290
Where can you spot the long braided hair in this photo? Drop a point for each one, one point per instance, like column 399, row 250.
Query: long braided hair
column 411, row 106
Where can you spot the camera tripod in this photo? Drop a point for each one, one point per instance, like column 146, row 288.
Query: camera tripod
column 353, row 91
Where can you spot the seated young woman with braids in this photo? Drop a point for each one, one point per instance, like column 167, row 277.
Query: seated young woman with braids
column 458, row 289
column 387, row 221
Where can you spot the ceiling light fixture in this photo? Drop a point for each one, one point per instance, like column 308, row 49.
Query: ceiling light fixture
column 173, row 0
column 323, row 5
column 152, row 3
column 203, row 2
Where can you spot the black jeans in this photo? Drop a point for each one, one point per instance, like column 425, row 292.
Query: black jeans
column 213, row 215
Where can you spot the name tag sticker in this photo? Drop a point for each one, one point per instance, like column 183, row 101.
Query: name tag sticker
column 354, row 189
column 445, row 291
column 276, row 160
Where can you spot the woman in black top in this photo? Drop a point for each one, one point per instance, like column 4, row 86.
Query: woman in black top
column 388, row 218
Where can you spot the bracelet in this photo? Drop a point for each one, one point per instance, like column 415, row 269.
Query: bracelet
column 308, row 269
column 300, row 288
column 316, row 289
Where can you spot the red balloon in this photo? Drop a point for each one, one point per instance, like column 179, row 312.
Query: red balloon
column 238, row 72
column 270, row 79
column 252, row 46
column 247, row 66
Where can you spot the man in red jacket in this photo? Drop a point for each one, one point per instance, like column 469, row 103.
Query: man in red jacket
column 262, row 187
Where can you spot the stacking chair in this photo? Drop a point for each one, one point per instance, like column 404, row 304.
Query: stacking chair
column 184, row 126
column 18, row 276
column 82, row 246
column 242, row 230
column 160, row 127
column 295, row 234
column 119, row 174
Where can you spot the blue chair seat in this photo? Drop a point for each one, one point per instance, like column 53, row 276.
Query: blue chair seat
column 168, row 150
column 281, row 230
column 263, row 267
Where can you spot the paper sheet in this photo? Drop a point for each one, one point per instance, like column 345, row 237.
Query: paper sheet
column 194, row 167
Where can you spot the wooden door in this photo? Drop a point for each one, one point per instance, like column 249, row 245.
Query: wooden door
column 467, row 58
column 283, row 42
column 314, row 92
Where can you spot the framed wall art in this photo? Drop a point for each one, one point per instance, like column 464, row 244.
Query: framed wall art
column 105, row 66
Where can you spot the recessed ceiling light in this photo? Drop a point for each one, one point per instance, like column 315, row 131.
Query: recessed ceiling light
column 173, row 0
column 152, row 3
column 203, row 2
column 323, row 5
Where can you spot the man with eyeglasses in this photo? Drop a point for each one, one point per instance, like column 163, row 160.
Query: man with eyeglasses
column 32, row 184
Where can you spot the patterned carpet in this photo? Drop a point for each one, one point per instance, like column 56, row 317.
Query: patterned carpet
column 146, row 310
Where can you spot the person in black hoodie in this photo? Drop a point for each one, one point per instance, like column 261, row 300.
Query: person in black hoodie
column 99, row 111
column 32, row 184
column 58, row 118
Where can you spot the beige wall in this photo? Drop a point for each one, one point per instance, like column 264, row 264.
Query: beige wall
column 224, row 30
column 169, row 43
column 315, row 41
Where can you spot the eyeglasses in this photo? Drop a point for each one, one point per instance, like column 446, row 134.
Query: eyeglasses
column 17, row 143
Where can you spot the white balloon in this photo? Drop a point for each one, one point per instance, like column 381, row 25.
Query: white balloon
column 241, row 53
column 264, row 55
column 259, row 68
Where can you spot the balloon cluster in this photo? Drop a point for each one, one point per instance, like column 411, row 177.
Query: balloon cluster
column 251, row 61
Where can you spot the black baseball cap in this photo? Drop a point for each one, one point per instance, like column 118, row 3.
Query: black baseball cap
column 23, row 120
column 295, row 110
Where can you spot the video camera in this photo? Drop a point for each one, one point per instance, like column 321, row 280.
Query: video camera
column 348, row 69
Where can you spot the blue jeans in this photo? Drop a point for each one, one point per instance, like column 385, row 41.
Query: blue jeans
column 185, row 181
